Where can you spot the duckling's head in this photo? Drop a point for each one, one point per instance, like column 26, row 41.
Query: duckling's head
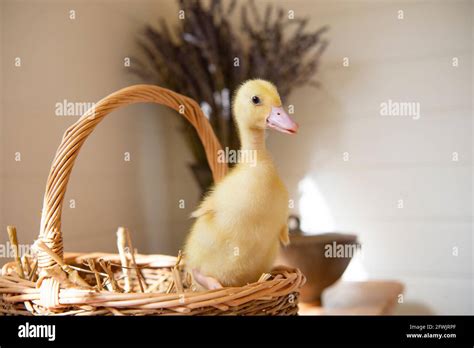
column 257, row 106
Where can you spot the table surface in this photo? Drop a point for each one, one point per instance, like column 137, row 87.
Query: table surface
column 373, row 297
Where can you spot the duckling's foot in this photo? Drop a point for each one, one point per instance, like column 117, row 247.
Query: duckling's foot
column 206, row 282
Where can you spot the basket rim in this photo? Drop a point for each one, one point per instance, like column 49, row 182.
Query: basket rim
column 283, row 284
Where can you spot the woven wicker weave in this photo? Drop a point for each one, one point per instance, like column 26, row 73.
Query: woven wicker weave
column 53, row 283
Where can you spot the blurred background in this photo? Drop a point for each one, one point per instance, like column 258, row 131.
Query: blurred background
column 402, row 184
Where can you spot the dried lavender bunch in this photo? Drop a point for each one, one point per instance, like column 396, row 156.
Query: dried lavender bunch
column 206, row 59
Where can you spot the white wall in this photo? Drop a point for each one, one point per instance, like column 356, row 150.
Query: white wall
column 391, row 158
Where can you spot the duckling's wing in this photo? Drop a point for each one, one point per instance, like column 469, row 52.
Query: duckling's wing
column 284, row 237
column 206, row 207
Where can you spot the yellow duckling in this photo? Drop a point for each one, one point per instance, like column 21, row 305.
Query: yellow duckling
column 241, row 223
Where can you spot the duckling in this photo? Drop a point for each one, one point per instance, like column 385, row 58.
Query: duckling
column 242, row 222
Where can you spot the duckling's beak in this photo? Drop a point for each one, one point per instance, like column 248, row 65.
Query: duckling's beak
column 279, row 120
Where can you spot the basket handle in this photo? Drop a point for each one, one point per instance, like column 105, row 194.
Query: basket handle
column 75, row 136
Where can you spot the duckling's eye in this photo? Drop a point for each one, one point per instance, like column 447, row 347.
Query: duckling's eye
column 256, row 100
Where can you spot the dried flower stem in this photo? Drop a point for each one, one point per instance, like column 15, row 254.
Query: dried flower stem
column 110, row 275
column 132, row 254
column 14, row 242
column 121, row 245
column 91, row 264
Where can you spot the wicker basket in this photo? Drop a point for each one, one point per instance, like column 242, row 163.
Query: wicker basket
column 49, row 282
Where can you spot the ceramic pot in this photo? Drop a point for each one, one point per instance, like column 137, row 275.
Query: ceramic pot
column 322, row 259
